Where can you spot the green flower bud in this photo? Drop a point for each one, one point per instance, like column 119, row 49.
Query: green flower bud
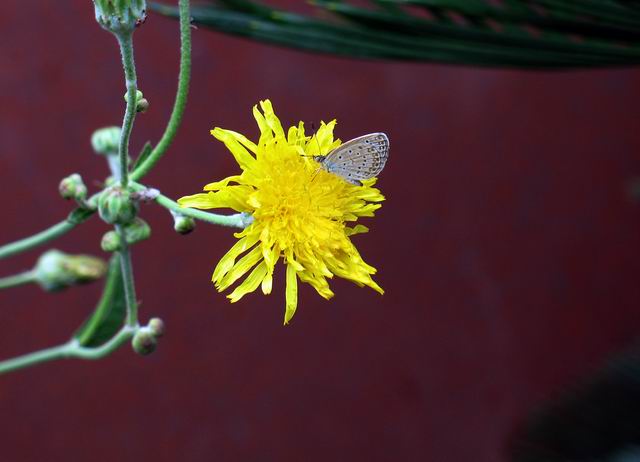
column 106, row 141
column 92, row 202
column 142, row 105
column 116, row 207
column 72, row 187
column 141, row 102
column 156, row 327
column 110, row 242
column 136, row 231
column 57, row 270
column 144, row 342
column 120, row 16
column 182, row 224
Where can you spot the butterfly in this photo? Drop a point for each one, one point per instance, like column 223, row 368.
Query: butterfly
column 358, row 159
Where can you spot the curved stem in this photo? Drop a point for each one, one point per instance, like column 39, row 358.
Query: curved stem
column 17, row 279
column 103, row 350
column 127, row 278
column 75, row 218
column 239, row 220
column 71, row 349
column 125, row 40
column 181, row 96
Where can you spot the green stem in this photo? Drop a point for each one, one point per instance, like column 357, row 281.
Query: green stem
column 124, row 334
column 71, row 349
column 181, row 95
column 75, row 218
column 239, row 220
column 17, row 279
column 127, row 278
column 125, row 40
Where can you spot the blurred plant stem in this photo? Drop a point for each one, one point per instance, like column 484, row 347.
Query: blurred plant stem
column 71, row 349
column 181, row 95
column 76, row 217
column 17, row 279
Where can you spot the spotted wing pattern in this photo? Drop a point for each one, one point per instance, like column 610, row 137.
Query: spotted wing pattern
column 358, row 159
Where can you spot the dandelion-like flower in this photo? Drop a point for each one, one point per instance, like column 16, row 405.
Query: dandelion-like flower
column 300, row 212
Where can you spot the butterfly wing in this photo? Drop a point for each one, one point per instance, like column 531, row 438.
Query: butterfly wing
column 358, row 159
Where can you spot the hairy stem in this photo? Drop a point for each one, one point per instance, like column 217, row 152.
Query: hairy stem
column 17, row 279
column 181, row 96
column 75, row 218
column 71, row 349
column 127, row 278
column 125, row 40
column 239, row 220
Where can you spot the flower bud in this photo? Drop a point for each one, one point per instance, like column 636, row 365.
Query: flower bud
column 144, row 342
column 106, row 140
column 136, row 231
column 116, row 207
column 120, row 16
column 141, row 102
column 110, row 242
column 57, row 270
column 182, row 224
column 72, row 187
column 156, row 327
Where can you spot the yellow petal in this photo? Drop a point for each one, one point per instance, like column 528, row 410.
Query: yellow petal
column 375, row 287
column 242, row 156
column 197, row 201
column 229, row 259
column 272, row 120
column 241, row 267
column 301, row 130
column 216, row 185
column 250, row 145
column 291, row 294
column 317, row 282
column 250, row 283
column 232, row 197
column 265, row 133
column 295, row 136
column 270, row 254
column 357, row 229
column 324, row 135
column 267, row 283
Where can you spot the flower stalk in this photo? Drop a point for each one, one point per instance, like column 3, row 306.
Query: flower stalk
column 125, row 40
column 17, row 279
column 181, row 96
column 79, row 215
column 127, row 277
column 71, row 349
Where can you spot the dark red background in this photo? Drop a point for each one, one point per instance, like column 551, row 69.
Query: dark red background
column 508, row 248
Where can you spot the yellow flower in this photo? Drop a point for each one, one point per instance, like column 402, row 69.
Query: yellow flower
column 299, row 212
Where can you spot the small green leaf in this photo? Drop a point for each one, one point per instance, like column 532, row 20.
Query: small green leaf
column 109, row 315
column 144, row 153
